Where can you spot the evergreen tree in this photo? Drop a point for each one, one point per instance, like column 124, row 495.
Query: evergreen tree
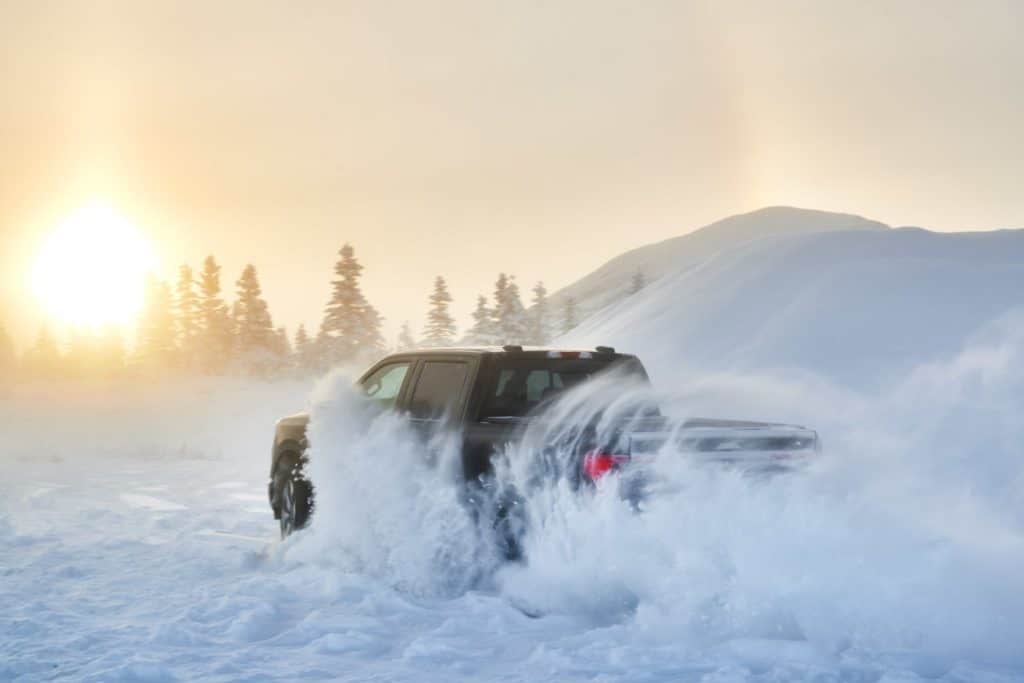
column 638, row 282
column 254, row 328
column 510, row 316
column 302, row 347
column 187, row 316
column 569, row 320
column 234, row 324
column 484, row 331
column 301, row 339
column 440, row 329
column 371, row 343
column 351, row 326
column 156, row 326
column 406, row 341
column 282, row 346
column 214, row 323
column 538, row 322
column 500, row 293
column 43, row 359
column 319, row 352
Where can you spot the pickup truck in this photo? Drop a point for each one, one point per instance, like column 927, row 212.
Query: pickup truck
column 488, row 396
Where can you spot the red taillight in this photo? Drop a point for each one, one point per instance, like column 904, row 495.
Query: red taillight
column 597, row 464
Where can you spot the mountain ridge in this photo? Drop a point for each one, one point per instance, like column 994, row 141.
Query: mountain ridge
column 611, row 281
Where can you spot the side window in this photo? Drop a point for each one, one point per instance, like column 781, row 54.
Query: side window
column 439, row 387
column 537, row 384
column 385, row 383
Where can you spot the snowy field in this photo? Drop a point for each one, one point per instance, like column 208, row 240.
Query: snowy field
column 136, row 543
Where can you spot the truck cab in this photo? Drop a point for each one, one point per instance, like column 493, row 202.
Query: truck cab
column 482, row 394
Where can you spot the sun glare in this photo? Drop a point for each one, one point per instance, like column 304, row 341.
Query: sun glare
column 91, row 270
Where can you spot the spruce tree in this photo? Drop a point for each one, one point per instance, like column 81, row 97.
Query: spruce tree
column 282, row 344
column 500, row 293
column 301, row 347
column 156, row 326
column 255, row 329
column 319, row 352
column 406, row 340
column 538, row 330
column 440, row 329
column 187, row 316
column 569, row 320
column 483, row 332
column 301, row 339
column 371, row 341
column 214, row 323
column 234, row 324
column 509, row 313
column 351, row 326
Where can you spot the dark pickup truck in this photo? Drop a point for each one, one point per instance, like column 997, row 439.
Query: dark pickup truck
column 487, row 396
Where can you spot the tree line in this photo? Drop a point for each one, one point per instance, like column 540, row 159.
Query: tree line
column 190, row 327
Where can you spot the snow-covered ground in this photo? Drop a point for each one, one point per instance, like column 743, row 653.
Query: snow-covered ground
column 136, row 543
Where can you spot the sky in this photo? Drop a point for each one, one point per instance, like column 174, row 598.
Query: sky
column 467, row 138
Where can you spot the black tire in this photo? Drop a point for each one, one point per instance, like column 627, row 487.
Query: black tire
column 296, row 497
column 509, row 527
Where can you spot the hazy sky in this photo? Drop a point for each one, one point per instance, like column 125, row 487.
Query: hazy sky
column 464, row 138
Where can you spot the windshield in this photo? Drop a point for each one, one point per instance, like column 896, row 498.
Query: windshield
column 518, row 386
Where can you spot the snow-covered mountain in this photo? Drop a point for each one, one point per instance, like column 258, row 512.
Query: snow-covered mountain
column 611, row 282
column 858, row 307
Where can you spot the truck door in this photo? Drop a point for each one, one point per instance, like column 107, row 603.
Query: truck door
column 438, row 399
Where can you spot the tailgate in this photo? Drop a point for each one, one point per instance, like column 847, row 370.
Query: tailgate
column 730, row 441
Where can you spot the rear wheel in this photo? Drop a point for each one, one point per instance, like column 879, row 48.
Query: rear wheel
column 509, row 527
column 296, row 502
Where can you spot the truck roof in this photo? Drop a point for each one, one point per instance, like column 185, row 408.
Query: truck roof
column 515, row 350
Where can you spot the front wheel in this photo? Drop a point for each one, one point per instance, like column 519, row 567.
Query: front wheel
column 296, row 503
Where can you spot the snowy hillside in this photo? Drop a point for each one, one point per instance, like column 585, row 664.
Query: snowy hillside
column 858, row 308
column 611, row 282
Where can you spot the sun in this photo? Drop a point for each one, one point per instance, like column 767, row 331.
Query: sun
column 91, row 269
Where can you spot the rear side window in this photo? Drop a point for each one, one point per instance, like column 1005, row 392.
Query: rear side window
column 521, row 386
column 439, row 387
